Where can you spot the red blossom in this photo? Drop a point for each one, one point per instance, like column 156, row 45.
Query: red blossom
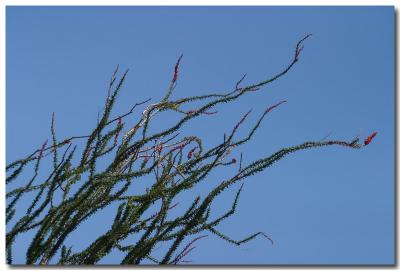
column 233, row 160
column 179, row 146
column 369, row 138
column 176, row 69
column 274, row 106
column 242, row 120
column 42, row 149
column 159, row 148
column 190, row 112
column 189, row 155
column 66, row 141
column 300, row 47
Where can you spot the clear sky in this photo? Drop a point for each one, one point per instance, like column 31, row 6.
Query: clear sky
column 321, row 206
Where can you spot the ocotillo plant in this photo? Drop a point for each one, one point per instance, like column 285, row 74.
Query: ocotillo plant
column 77, row 188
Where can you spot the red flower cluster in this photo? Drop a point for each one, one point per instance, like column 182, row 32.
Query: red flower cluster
column 42, row 150
column 190, row 112
column 274, row 106
column 300, row 47
column 369, row 138
column 159, row 148
column 189, row 155
column 179, row 146
column 66, row 141
column 176, row 69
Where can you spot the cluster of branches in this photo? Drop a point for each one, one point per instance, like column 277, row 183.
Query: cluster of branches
column 177, row 164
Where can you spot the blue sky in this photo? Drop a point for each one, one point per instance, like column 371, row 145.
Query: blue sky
column 321, row 206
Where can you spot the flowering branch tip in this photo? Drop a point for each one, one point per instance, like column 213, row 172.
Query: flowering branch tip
column 274, row 106
column 300, row 47
column 176, row 69
column 369, row 138
column 43, row 148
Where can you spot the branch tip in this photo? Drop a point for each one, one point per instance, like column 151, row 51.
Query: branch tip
column 370, row 138
column 176, row 69
column 300, row 46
